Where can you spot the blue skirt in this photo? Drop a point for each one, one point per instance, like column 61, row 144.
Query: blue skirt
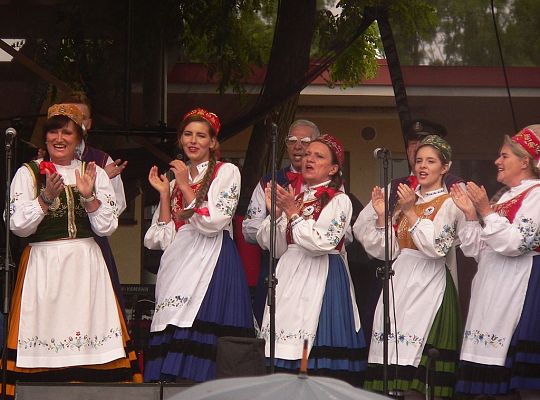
column 177, row 354
column 338, row 350
column 522, row 368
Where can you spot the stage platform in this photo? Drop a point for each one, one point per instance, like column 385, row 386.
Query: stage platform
column 98, row 391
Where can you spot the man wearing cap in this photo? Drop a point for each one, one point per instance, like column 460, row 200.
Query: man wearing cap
column 301, row 133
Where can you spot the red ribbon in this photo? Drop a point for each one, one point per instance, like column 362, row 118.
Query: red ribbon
column 202, row 211
column 46, row 166
column 296, row 180
column 325, row 189
column 412, row 181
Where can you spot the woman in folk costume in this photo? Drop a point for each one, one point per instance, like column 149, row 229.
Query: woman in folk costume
column 65, row 322
column 425, row 310
column 500, row 354
column 314, row 295
column 201, row 289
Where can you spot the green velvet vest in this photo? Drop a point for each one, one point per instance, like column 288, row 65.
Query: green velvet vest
column 67, row 218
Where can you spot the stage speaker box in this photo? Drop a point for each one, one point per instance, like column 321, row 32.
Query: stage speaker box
column 240, row 356
column 87, row 391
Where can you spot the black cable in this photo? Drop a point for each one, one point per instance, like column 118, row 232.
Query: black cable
column 503, row 66
column 274, row 40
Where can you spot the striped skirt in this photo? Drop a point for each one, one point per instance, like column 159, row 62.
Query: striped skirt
column 177, row 354
column 445, row 336
column 522, row 368
column 338, row 350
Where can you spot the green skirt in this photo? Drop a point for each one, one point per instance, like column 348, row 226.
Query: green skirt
column 445, row 335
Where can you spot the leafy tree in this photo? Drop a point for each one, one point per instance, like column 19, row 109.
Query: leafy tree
column 355, row 64
column 464, row 34
column 520, row 47
column 231, row 37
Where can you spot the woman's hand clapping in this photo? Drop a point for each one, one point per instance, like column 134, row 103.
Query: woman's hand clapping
column 463, row 202
column 377, row 201
column 479, row 198
column 406, row 197
column 158, row 182
column 85, row 182
column 54, row 184
column 181, row 173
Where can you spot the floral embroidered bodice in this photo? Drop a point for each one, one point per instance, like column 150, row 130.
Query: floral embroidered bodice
column 510, row 208
column 310, row 209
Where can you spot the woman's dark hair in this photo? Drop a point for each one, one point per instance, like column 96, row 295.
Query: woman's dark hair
column 207, row 180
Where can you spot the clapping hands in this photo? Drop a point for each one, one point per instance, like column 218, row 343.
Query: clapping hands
column 285, row 200
column 471, row 201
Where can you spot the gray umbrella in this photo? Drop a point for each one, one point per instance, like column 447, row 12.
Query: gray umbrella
column 276, row 386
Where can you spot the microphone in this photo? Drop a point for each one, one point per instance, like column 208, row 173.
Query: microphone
column 381, row 152
column 180, row 156
column 10, row 135
column 274, row 127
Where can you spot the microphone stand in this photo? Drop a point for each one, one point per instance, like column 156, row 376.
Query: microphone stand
column 8, row 264
column 271, row 281
column 386, row 272
column 433, row 354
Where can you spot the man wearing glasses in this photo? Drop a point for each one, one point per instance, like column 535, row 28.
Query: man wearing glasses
column 301, row 133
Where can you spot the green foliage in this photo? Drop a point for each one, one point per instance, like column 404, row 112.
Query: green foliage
column 359, row 61
column 412, row 22
column 237, row 35
column 468, row 32
column 519, row 39
column 78, row 59
column 231, row 37
column 464, row 34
